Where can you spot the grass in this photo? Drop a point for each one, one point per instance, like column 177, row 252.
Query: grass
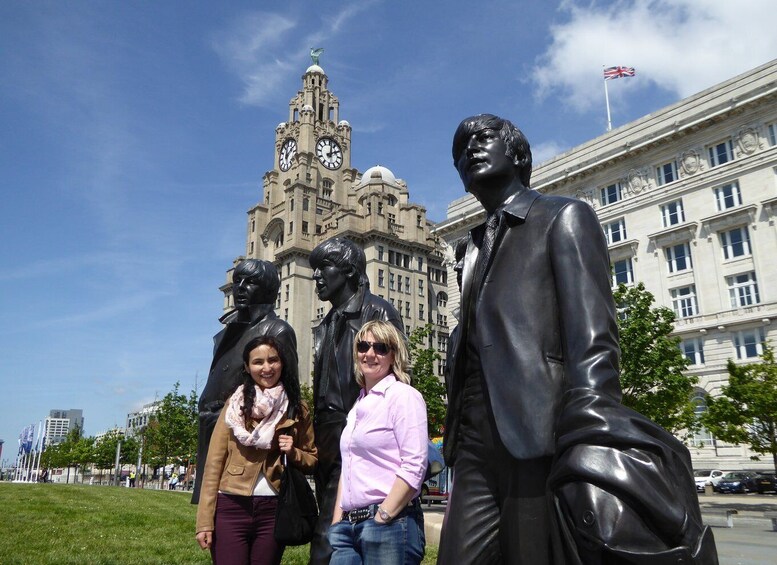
column 48, row 524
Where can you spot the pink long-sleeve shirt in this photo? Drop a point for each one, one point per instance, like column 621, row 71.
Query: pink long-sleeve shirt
column 385, row 437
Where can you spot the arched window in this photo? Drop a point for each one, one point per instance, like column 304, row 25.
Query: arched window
column 702, row 436
column 442, row 300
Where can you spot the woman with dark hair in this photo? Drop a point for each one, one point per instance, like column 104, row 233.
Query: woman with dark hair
column 378, row 516
column 238, row 499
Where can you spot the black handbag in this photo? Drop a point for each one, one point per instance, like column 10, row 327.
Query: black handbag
column 297, row 511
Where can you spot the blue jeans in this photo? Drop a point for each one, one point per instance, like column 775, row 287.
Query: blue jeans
column 400, row 542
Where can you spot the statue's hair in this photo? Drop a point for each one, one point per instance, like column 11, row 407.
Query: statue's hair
column 263, row 274
column 517, row 144
column 384, row 332
column 344, row 254
column 289, row 381
column 460, row 248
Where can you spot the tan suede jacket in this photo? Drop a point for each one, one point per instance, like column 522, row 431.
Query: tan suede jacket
column 234, row 468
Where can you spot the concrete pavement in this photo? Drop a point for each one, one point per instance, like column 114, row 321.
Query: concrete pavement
column 750, row 542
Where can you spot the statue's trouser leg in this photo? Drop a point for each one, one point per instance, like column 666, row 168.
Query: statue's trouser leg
column 498, row 511
column 328, row 428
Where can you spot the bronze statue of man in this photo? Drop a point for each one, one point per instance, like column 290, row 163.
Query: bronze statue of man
column 255, row 286
column 534, row 394
column 339, row 269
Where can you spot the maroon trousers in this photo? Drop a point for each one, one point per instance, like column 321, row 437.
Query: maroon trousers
column 244, row 531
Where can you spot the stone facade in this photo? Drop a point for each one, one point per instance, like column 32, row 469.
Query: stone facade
column 687, row 197
column 313, row 193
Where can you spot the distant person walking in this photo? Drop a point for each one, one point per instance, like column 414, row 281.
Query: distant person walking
column 242, row 473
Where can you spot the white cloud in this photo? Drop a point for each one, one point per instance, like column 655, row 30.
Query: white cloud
column 262, row 50
column 682, row 46
column 544, row 151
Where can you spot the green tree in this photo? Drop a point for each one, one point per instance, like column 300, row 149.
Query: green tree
column 306, row 393
column 76, row 451
column 171, row 433
column 652, row 364
column 105, row 450
column 423, row 359
column 746, row 410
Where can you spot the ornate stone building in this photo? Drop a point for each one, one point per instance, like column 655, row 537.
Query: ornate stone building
column 687, row 197
column 314, row 193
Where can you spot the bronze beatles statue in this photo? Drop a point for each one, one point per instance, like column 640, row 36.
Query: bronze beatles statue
column 339, row 271
column 255, row 286
column 548, row 466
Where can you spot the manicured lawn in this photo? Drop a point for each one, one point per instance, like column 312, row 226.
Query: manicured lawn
column 95, row 525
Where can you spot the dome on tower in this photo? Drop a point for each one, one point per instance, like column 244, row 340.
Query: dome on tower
column 379, row 173
column 343, row 124
column 315, row 69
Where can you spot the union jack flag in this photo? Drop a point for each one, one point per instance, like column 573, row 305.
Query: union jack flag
column 611, row 73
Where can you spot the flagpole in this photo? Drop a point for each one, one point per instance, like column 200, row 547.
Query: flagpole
column 607, row 101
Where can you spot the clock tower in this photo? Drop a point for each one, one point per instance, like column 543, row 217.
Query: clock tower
column 313, row 193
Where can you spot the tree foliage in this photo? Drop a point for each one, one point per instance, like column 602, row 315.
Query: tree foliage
column 746, row 410
column 171, row 433
column 76, row 451
column 652, row 364
column 424, row 358
column 105, row 450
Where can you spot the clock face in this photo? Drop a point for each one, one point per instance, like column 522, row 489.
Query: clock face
column 329, row 153
column 288, row 151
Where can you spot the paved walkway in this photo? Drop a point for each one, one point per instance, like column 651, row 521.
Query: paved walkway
column 750, row 542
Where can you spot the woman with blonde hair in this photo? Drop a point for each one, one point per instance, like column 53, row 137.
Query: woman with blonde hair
column 378, row 516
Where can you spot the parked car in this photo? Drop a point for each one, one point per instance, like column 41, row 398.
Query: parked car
column 704, row 477
column 766, row 482
column 738, row 481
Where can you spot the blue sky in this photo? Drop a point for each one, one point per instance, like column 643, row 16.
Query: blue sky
column 135, row 135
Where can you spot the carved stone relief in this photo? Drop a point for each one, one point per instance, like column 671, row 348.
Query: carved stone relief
column 690, row 162
column 748, row 140
column 637, row 181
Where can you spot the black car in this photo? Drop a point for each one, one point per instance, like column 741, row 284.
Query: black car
column 766, row 482
column 738, row 481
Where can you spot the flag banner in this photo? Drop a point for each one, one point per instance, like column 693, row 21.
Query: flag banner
column 611, row 73
column 27, row 437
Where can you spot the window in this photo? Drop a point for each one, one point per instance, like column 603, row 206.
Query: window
column 304, row 227
column 615, row 231
column 420, row 287
column 721, row 153
column 369, row 208
column 407, row 285
column 684, row 301
column 442, row 320
column 319, row 312
column 749, row 343
column 391, row 281
column 678, row 257
column 291, row 204
column 286, row 314
column 380, row 207
column 407, row 309
column 318, row 228
column 610, row 194
column 693, row 349
column 381, row 281
column 420, row 311
column 291, row 227
column 392, row 218
column 420, row 263
column 250, row 248
column 701, row 436
column 743, row 290
column 305, row 204
column 253, row 225
column 728, row 196
column 672, row 213
column 623, row 272
column 418, row 221
column 380, row 253
column 442, row 300
column 666, row 173
column 287, row 292
column 735, row 243
column 772, row 133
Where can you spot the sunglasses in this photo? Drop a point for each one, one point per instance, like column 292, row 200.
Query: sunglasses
column 378, row 347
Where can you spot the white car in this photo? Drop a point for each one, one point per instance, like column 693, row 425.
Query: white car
column 706, row 477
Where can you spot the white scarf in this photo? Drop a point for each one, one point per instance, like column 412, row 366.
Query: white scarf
column 269, row 407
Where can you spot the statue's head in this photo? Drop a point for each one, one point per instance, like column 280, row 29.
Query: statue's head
column 255, row 282
column 516, row 146
column 339, row 268
column 459, row 251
